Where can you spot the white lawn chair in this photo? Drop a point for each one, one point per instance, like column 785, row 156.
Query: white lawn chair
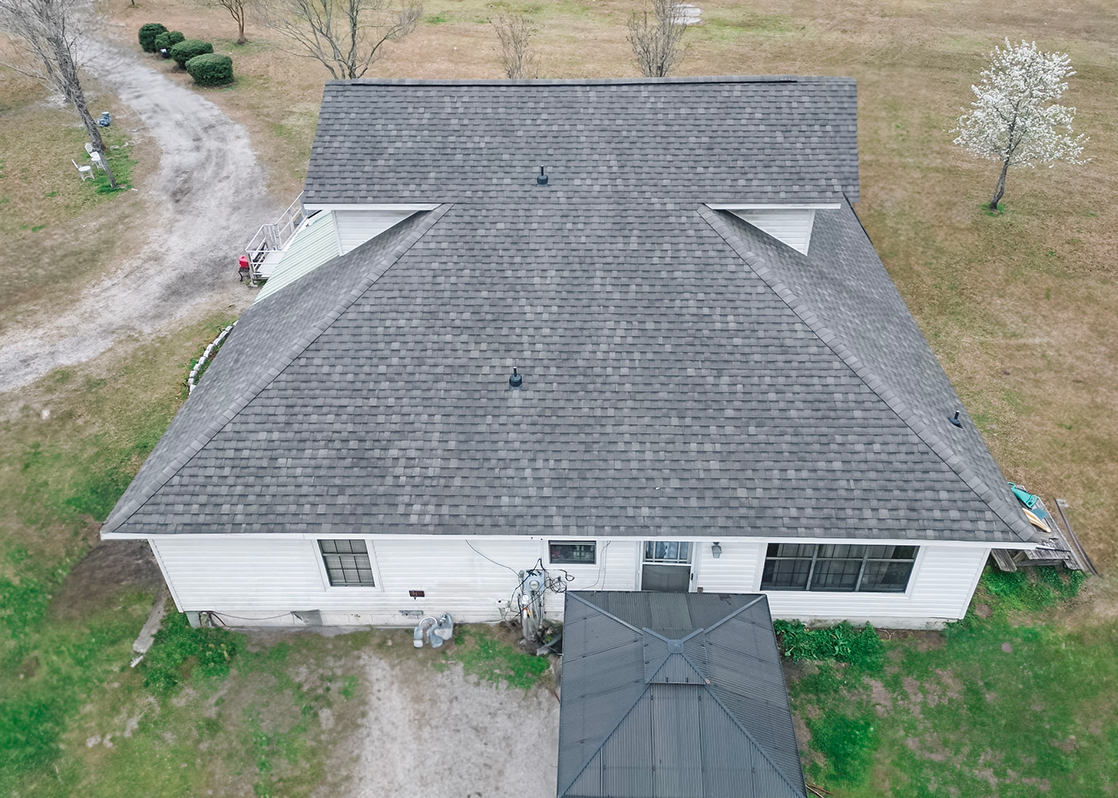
column 85, row 171
column 96, row 158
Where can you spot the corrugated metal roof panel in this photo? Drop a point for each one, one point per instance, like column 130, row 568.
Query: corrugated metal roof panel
column 676, row 737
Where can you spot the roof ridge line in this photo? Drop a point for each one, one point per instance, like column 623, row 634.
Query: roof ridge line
column 878, row 386
column 764, row 754
column 589, row 81
column 280, row 364
column 733, row 614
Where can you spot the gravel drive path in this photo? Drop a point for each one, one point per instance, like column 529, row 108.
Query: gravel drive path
column 209, row 198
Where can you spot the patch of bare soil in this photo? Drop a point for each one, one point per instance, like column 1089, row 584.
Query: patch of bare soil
column 430, row 734
column 209, row 198
column 111, row 567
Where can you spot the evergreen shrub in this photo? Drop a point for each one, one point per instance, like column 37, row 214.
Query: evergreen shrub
column 148, row 33
column 210, row 69
column 185, row 50
column 165, row 41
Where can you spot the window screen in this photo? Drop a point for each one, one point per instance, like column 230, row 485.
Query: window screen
column 838, row 568
column 561, row 553
column 347, row 562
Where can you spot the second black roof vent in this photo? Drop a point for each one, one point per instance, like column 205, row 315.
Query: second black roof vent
column 541, row 179
column 515, row 381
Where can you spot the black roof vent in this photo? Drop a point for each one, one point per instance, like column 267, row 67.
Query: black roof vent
column 541, row 179
column 955, row 419
column 515, row 380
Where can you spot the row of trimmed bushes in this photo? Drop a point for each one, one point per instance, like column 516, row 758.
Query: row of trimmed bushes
column 194, row 55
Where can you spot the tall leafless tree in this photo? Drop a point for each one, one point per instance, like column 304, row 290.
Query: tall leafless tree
column 345, row 35
column 238, row 9
column 44, row 35
column 656, row 36
column 517, row 57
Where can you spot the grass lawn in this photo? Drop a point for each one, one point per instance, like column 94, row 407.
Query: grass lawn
column 1005, row 705
column 59, row 231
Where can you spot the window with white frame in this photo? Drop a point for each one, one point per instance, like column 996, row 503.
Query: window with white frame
column 667, row 552
column 562, row 552
column 347, row 563
column 838, row 568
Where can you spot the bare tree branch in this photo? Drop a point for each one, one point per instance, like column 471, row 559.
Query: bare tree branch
column 45, row 32
column 517, row 57
column 238, row 9
column 346, row 36
column 656, row 37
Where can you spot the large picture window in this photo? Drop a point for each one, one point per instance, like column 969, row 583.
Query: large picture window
column 347, row 563
column 838, row 568
column 560, row 552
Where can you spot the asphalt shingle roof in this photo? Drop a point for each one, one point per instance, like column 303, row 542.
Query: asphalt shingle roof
column 764, row 140
column 673, row 695
column 684, row 374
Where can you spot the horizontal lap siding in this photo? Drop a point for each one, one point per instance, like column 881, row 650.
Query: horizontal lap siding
column 357, row 227
column 793, row 227
column 266, row 577
column 940, row 590
column 735, row 571
column 616, row 570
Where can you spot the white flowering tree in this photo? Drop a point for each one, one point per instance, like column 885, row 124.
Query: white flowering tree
column 1015, row 118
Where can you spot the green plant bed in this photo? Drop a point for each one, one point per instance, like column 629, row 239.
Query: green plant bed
column 858, row 646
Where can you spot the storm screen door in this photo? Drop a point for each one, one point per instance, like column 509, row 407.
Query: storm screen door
column 666, row 567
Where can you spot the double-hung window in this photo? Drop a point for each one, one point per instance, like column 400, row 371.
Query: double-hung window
column 347, row 563
column 838, row 568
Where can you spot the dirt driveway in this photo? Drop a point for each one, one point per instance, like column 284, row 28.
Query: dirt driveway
column 208, row 200
column 448, row 735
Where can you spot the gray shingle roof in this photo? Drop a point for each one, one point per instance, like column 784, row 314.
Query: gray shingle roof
column 774, row 139
column 685, row 374
column 673, row 695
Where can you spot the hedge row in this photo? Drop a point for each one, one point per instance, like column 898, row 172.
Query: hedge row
column 194, row 55
column 188, row 48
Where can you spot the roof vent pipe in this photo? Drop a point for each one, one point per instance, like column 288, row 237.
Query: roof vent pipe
column 955, row 419
column 541, row 180
column 515, row 380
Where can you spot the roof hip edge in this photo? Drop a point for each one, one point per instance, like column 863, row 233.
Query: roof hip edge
column 829, row 338
column 369, row 276
column 760, row 748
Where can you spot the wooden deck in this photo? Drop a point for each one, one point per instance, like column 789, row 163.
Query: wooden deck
column 1059, row 546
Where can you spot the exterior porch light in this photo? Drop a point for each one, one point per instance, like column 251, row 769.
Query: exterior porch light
column 716, row 551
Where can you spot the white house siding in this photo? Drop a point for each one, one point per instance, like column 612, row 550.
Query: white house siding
column 262, row 581
column 357, row 227
column 616, row 569
column 315, row 243
column 940, row 590
column 792, row 226
column 737, row 570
